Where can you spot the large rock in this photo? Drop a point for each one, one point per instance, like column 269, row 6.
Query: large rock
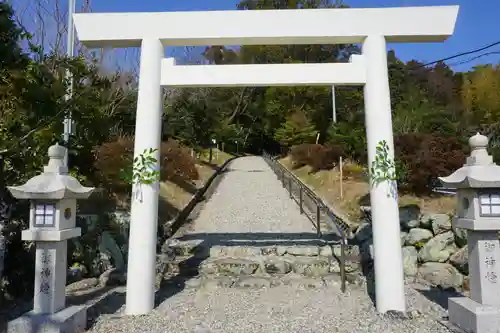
column 410, row 259
column 277, row 265
column 367, row 251
column 353, row 256
column 82, row 286
column 229, row 266
column 113, row 277
column 439, row 248
column 461, row 260
column 460, row 236
column 408, row 216
column 350, row 250
column 311, row 266
column 326, row 251
column 441, row 223
column 303, row 250
column 233, row 251
column 364, row 232
column 418, row 236
column 403, row 236
column 441, row 275
column 426, row 221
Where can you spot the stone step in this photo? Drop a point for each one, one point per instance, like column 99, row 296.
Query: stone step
column 236, row 266
column 241, row 260
column 268, row 281
column 309, row 266
column 200, row 249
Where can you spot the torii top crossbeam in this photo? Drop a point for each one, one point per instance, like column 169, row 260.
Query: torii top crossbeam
column 267, row 27
column 371, row 27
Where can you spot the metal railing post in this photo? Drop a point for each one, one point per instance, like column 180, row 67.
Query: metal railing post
column 342, row 228
column 300, row 200
column 342, row 263
column 318, row 219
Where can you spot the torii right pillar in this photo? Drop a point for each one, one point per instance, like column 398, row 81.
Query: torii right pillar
column 389, row 278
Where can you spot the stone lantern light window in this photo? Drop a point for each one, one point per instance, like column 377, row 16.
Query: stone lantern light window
column 489, row 204
column 45, row 215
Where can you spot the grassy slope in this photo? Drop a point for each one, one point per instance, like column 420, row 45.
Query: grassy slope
column 327, row 184
column 176, row 196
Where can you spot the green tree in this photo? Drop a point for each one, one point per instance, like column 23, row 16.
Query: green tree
column 296, row 130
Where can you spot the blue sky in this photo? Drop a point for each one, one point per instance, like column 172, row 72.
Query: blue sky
column 477, row 24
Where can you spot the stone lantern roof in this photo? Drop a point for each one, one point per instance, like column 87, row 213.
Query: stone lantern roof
column 54, row 183
column 479, row 171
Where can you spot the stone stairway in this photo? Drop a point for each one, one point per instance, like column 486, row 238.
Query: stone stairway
column 201, row 264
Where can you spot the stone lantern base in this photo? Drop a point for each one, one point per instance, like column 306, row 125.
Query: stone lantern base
column 472, row 316
column 72, row 319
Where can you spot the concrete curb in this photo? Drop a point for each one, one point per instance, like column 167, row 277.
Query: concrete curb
column 192, row 209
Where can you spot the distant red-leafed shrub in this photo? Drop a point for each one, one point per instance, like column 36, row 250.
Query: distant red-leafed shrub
column 424, row 157
column 317, row 156
column 113, row 157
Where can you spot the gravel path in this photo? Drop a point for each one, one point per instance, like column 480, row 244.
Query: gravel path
column 250, row 200
column 276, row 310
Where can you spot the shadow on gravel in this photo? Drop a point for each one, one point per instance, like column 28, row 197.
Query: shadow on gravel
column 170, row 287
column 108, row 305
column 440, row 296
column 367, row 269
column 255, row 239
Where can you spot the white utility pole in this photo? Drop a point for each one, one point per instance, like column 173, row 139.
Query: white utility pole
column 334, row 109
column 70, row 50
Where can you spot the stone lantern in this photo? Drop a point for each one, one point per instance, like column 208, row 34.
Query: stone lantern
column 478, row 211
column 53, row 196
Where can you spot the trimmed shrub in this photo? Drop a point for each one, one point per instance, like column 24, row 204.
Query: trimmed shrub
column 426, row 157
column 301, row 154
column 317, row 156
column 354, row 171
column 113, row 157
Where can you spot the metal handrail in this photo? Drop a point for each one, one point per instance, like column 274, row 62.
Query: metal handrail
column 342, row 229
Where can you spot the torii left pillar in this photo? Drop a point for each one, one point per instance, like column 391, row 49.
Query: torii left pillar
column 389, row 278
column 144, row 208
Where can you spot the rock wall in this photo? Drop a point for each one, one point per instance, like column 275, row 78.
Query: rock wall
column 432, row 248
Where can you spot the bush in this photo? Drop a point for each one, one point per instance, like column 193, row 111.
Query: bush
column 301, row 154
column 354, row 171
column 317, row 156
column 113, row 157
column 426, row 157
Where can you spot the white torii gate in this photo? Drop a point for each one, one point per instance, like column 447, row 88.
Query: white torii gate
column 371, row 27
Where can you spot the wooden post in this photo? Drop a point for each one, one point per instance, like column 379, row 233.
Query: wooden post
column 341, row 178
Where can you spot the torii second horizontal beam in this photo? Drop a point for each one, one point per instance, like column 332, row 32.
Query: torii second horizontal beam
column 263, row 75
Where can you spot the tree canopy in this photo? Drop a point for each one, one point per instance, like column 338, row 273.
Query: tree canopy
column 433, row 108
